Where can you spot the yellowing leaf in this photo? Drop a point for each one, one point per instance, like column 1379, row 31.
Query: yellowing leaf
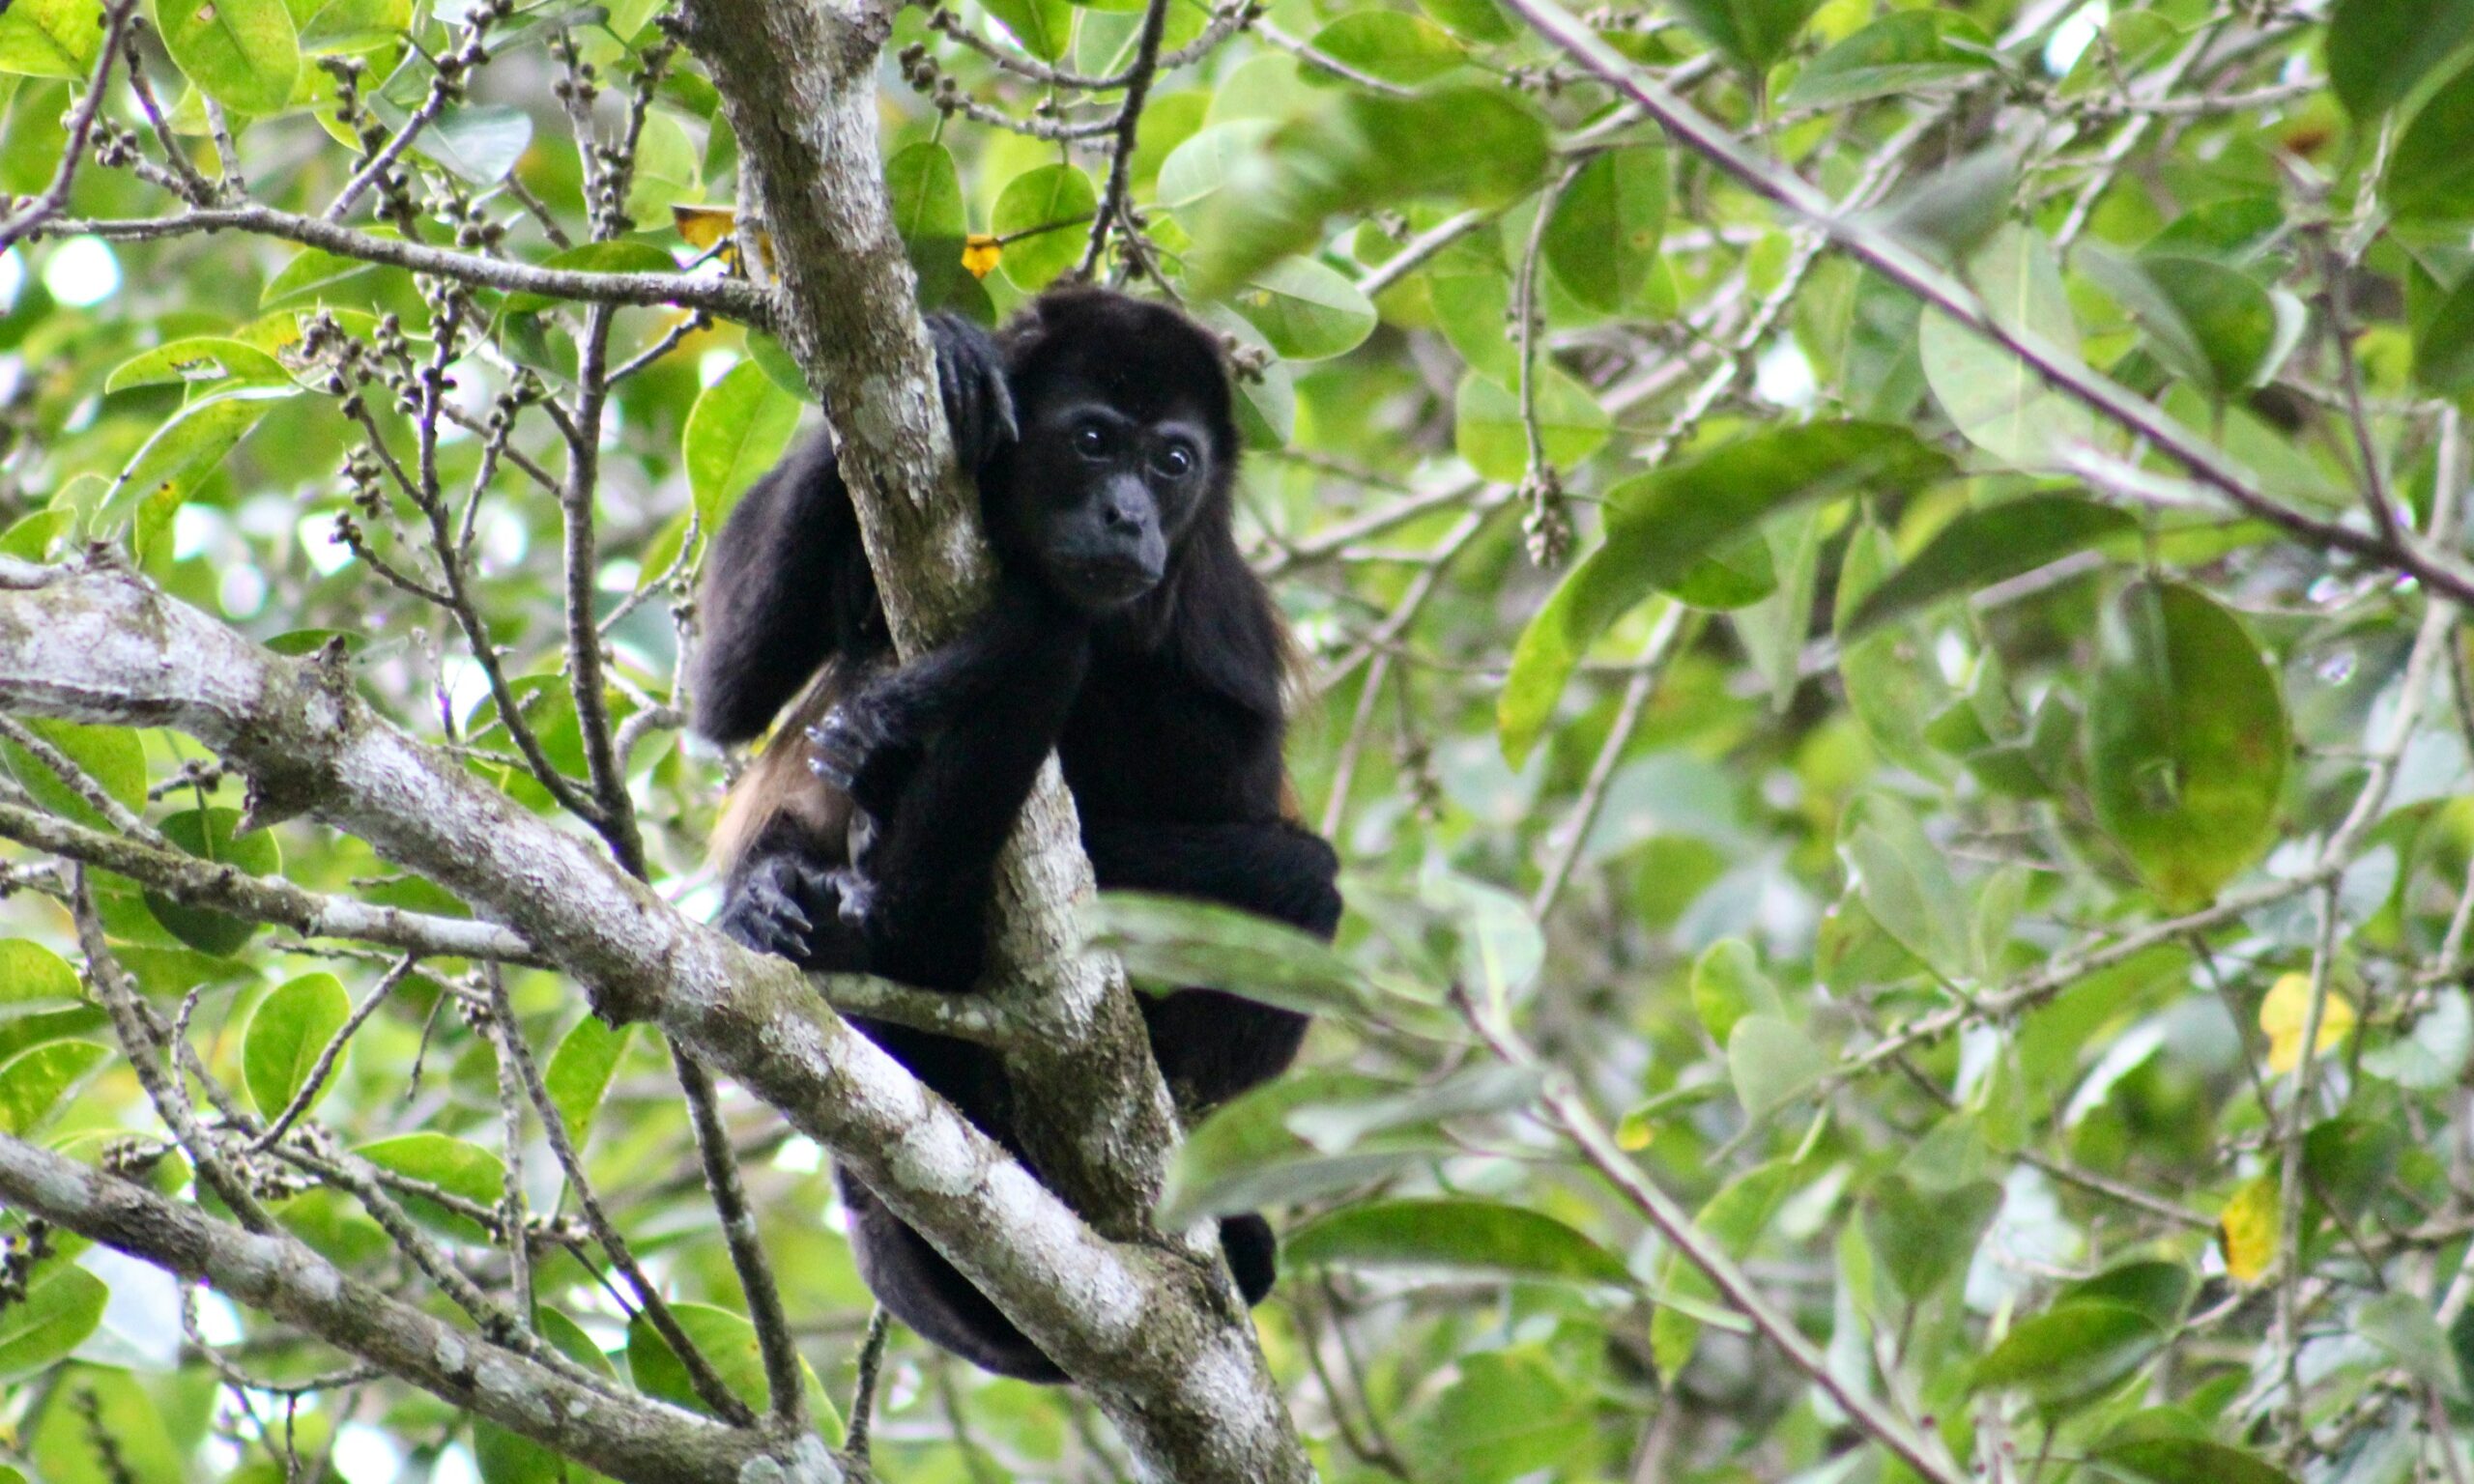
column 703, row 225
column 2247, row 1228
column 1635, row 1134
column 2282, row 1014
column 980, row 255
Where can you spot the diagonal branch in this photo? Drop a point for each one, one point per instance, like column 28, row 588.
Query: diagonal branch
column 1145, row 1327
column 639, row 1440
column 1902, row 265
column 724, row 297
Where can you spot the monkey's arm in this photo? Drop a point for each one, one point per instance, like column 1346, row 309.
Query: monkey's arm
column 1277, row 869
column 788, row 583
column 941, row 802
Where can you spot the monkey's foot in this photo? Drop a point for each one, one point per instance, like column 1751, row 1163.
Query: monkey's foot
column 857, row 894
column 777, row 906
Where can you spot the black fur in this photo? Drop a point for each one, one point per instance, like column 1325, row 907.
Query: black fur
column 1127, row 633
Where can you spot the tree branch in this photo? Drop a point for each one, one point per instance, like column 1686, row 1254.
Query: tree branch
column 639, row 1440
column 1147, row 1328
column 1911, row 271
column 725, row 297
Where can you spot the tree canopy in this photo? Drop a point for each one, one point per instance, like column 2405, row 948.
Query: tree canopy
column 1878, row 594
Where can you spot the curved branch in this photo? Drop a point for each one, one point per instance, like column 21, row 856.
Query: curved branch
column 725, row 297
column 639, row 1440
column 1145, row 1327
column 1910, row 270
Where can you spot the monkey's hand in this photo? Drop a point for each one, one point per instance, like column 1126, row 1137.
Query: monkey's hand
column 777, row 906
column 970, row 376
column 868, row 747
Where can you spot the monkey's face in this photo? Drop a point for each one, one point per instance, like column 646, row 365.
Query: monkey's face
column 1102, row 489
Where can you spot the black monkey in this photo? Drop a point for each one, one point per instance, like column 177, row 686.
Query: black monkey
column 1125, row 632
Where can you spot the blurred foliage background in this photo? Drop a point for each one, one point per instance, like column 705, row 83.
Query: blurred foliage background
column 2014, row 892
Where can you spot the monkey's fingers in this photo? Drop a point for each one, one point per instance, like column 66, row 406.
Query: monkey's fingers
column 857, row 895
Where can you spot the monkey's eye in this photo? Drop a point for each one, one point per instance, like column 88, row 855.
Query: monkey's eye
column 1091, row 441
column 1176, row 460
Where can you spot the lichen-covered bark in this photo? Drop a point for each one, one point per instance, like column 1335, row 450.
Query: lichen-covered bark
column 635, row 1439
column 798, row 86
column 1139, row 1325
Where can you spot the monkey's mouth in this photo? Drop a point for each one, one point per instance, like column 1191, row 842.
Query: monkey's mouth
column 1105, row 582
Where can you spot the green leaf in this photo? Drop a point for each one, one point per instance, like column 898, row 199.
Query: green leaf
column 1995, row 399
column 1658, row 526
column 2444, row 343
column 35, row 980
column 36, row 1085
column 287, row 1032
column 727, row 1341
column 2156, row 1288
column 208, row 834
column 1196, row 171
column 197, row 358
column 1479, row 20
column 1908, row 53
column 1245, row 1155
column 1728, row 984
column 454, row 1166
column 170, row 466
column 2430, row 172
column 2072, row 1353
column 1307, row 311
column 2403, row 1324
column 242, row 53
column 1772, row 1062
column 1043, row 217
column 1471, row 308
column 1752, row 34
column 619, row 256
column 1388, row 45
column 1602, row 241
column 735, row 433
column 62, row 1306
column 580, row 1071
column 1337, row 1125
column 2187, row 741
column 346, row 26
column 1456, row 1239
column 1488, row 429
column 1921, row 1238
column 2207, row 322
column 926, row 193
column 1906, row 882
column 480, row 143
column 1043, row 27
column 111, row 755
column 1176, row 941
column 2435, row 1054
column 312, row 272
column 668, row 168
column 51, row 37
column 1507, row 1415
column 2188, row 1460
column 1982, row 547
column 1733, row 1219
column 1478, row 146
column 2380, row 49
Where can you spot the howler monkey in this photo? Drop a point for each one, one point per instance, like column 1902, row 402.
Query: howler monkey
column 1125, row 632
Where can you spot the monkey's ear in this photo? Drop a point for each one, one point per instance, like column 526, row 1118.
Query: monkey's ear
column 1020, row 338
